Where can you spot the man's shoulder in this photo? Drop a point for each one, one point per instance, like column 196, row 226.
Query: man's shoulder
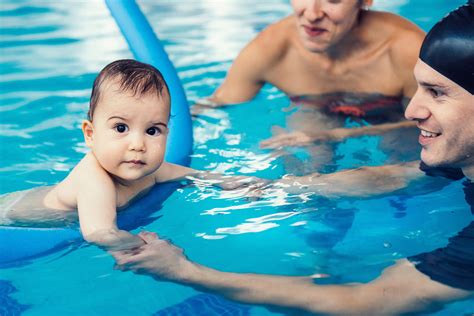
column 276, row 38
column 394, row 28
column 279, row 30
column 392, row 22
column 403, row 39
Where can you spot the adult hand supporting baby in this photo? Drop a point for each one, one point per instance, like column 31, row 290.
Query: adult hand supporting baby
column 158, row 258
column 227, row 182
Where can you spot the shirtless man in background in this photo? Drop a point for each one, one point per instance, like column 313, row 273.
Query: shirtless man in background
column 334, row 58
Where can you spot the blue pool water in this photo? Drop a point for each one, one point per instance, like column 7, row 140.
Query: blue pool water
column 50, row 52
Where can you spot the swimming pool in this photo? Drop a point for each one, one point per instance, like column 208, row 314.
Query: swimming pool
column 47, row 70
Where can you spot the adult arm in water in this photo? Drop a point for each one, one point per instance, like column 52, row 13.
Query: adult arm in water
column 400, row 289
column 300, row 138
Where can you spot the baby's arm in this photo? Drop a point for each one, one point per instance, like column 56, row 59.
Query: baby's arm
column 171, row 172
column 96, row 204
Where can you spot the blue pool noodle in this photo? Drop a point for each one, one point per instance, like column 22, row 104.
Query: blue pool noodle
column 18, row 245
column 146, row 48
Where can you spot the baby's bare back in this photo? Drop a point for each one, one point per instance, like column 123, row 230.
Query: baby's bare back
column 27, row 208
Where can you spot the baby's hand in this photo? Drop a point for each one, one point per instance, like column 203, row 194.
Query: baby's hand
column 114, row 240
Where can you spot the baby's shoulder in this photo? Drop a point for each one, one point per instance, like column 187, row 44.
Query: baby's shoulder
column 88, row 173
column 89, row 166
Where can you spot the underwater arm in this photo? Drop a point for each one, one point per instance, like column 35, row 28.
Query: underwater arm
column 337, row 134
column 370, row 130
column 400, row 289
column 360, row 182
column 172, row 172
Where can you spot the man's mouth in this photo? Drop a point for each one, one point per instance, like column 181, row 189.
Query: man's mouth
column 426, row 137
column 429, row 134
column 313, row 31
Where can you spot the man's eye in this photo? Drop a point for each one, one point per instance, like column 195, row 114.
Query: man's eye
column 153, row 131
column 435, row 92
column 121, row 128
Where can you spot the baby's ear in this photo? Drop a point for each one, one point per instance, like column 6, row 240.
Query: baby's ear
column 88, row 131
column 368, row 3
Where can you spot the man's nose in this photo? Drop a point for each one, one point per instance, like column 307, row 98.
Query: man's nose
column 416, row 110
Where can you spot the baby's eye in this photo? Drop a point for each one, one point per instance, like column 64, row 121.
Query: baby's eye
column 153, row 131
column 121, row 128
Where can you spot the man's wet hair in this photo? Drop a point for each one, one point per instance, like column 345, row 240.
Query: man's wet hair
column 132, row 76
column 449, row 46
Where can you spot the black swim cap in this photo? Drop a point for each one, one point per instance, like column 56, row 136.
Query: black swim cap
column 449, row 47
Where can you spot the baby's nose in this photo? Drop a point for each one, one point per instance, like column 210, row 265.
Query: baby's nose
column 137, row 143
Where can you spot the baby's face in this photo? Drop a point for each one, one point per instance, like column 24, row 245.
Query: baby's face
column 129, row 132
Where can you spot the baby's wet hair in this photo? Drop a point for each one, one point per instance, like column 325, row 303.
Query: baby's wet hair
column 132, row 76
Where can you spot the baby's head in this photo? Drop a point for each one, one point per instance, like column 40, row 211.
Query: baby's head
column 130, row 76
column 128, row 117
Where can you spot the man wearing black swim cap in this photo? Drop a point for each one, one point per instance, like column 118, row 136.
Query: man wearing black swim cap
column 443, row 108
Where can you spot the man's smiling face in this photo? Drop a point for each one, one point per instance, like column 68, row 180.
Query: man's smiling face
column 444, row 112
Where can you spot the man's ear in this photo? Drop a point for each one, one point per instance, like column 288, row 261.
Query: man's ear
column 88, row 131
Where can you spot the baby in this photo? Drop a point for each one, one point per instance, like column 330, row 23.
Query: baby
column 126, row 132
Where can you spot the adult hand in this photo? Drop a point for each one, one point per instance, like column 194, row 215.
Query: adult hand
column 239, row 182
column 289, row 139
column 202, row 105
column 158, row 258
column 198, row 109
column 300, row 138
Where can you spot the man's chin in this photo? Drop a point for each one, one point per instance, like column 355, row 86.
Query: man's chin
column 432, row 160
column 315, row 47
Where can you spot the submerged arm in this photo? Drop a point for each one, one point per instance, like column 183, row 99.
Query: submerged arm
column 400, row 289
column 172, row 172
column 300, row 138
column 360, row 182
